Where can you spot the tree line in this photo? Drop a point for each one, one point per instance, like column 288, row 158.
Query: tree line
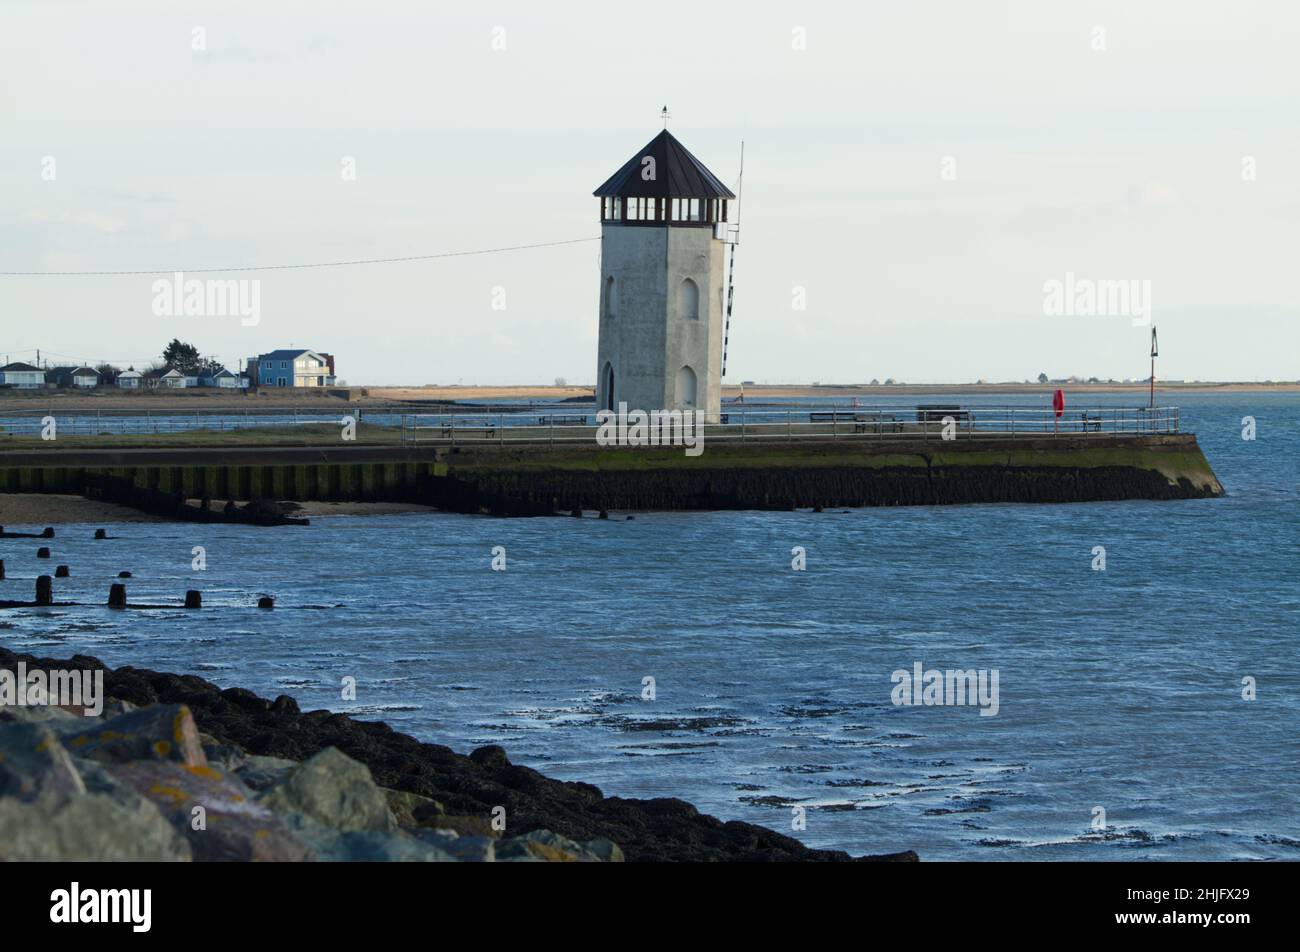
column 178, row 354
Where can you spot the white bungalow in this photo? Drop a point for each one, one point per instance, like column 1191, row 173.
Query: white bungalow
column 169, row 378
column 86, row 377
column 23, row 376
column 129, row 379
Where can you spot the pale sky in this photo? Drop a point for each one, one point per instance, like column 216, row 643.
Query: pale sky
column 1117, row 163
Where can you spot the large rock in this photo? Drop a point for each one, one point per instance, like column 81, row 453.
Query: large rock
column 107, row 823
column 472, row 849
column 224, row 757
column 604, row 850
column 61, row 721
column 34, row 764
column 161, row 732
column 461, row 825
column 406, row 806
column 335, row 791
column 262, row 773
column 466, row 849
column 217, row 814
column 86, row 828
column 546, row 846
column 366, row 846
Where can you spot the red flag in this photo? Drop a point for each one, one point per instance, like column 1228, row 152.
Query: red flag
column 1058, row 402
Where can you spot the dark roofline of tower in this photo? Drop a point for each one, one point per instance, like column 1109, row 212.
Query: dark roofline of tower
column 678, row 174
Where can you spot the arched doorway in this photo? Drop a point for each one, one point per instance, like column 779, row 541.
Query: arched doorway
column 686, row 388
column 609, row 386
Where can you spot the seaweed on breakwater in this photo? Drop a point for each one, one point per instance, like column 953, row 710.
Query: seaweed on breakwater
column 778, row 488
column 173, row 505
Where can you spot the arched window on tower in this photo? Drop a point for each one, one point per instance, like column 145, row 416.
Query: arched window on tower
column 689, row 299
column 686, row 388
column 609, row 386
column 611, row 297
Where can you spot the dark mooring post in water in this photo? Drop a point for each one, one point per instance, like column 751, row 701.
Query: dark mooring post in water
column 44, row 590
column 117, row 595
column 2, row 568
column 101, row 534
column 193, row 599
column 60, row 571
column 42, row 553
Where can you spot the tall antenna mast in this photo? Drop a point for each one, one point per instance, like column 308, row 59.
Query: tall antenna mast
column 731, row 268
column 1155, row 352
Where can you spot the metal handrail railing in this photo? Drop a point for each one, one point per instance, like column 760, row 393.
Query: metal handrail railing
column 559, row 424
column 819, row 421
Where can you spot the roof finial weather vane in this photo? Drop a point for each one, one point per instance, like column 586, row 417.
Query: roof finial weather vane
column 663, row 114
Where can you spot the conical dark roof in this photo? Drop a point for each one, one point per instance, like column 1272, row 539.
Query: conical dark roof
column 678, row 174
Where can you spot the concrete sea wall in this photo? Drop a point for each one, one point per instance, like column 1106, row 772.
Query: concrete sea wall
column 830, row 473
column 537, row 480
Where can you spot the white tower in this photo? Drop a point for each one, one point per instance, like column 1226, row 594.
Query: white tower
column 662, row 287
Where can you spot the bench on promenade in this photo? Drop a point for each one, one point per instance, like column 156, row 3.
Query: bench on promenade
column 877, row 423
column 863, row 422
column 833, row 416
column 561, row 421
column 935, row 412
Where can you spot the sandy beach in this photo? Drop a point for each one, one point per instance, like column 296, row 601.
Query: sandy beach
column 411, row 399
column 45, row 509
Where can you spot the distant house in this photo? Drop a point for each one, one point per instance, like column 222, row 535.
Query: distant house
column 85, row 377
column 79, row 377
column 22, row 376
column 222, row 379
column 292, row 368
column 130, row 379
column 166, row 378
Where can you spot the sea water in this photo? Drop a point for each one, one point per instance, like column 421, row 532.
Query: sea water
column 1123, row 727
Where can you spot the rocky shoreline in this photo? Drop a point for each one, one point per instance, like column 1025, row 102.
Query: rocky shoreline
column 271, row 782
